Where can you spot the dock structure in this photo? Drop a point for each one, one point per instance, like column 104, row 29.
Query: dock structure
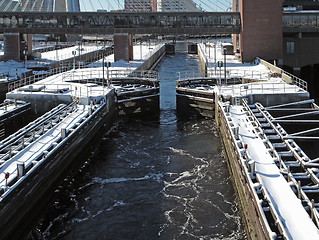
column 254, row 106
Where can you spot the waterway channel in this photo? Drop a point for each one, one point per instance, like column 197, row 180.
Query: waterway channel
column 163, row 178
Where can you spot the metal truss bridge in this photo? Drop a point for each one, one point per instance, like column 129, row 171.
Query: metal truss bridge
column 117, row 22
column 142, row 23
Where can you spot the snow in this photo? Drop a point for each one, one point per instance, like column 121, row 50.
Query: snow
column 34, row 150
column 67, row 80
column 66, row 53
column 295, row 219
column 232, row 64
column 140, row 54
column 264, row 80
column 12, row 69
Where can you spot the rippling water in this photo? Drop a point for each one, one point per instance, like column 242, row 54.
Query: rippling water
column 150, row 179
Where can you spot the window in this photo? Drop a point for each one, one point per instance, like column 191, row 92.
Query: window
column 290, row 47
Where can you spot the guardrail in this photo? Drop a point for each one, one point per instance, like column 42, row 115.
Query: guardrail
column 97, row 75
column 236, row 73
column 266, row 87
column 286, row 76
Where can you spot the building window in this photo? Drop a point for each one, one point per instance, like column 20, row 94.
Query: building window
column 290, row 47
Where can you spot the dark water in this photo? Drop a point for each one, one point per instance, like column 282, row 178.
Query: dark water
column 150, row 179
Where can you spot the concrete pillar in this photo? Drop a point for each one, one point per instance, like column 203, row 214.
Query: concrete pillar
column 12, row 46
column 29, row 44
column 123, row 47
column 261, row 34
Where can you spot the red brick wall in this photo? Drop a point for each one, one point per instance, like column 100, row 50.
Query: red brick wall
column 261, row 34
column 11, row 47
column 29, row 44
column 123, row 47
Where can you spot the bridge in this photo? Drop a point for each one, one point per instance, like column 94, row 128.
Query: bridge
column 142, row 23
column 295, row 22
column 119, row 22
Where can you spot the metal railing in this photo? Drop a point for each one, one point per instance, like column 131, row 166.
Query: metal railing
column 236, row 73
column 286, row 76
column 97, row 75
column 267, row 87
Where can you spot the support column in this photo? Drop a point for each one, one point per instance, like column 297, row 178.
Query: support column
column 123, row 47
column 261, row 34
column 29, row 44
column 12, row 46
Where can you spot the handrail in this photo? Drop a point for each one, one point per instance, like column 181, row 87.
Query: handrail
column 286, row 76
column 84, row 75
column 266, row 87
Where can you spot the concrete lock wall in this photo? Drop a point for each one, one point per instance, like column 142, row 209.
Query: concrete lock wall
column 148, row 64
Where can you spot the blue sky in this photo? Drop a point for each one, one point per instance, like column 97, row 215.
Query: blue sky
column 207, row 5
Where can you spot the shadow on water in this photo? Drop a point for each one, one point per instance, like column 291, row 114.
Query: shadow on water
column 161, row 178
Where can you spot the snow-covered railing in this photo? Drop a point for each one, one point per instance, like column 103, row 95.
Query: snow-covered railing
column 188, row 74
column 97, row 75
column 286, row 76
column 35, row 78
column 268, row 87
column 236, row 73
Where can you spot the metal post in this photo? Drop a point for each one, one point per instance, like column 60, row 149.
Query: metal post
column 215, row 57
column 225, row 66
column 103, row 71
column 107, row 75
column 220, row 76
column 141, row 49
column 74, row 53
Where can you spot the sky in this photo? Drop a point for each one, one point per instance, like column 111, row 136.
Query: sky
column 207, row 5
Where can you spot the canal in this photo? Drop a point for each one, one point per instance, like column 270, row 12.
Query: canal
column 162, row 178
